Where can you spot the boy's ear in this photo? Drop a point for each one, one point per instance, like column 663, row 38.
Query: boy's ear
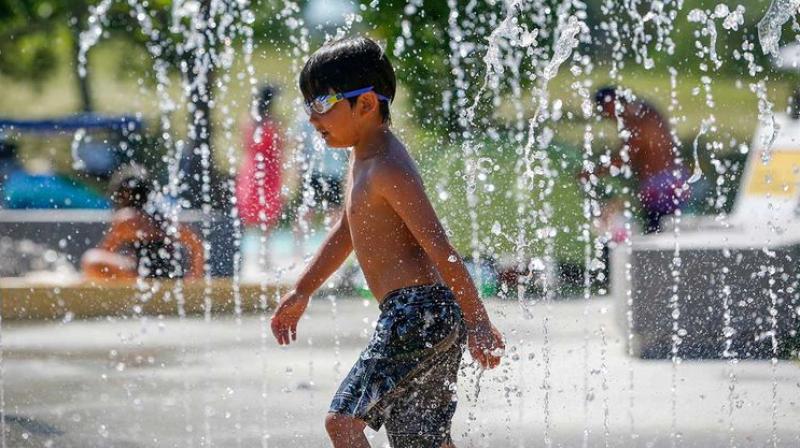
column 367, row 103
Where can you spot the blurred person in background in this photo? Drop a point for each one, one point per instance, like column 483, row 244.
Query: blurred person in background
column 258, row 184
column 138, row 243
column 661, row 181
column 324, row 177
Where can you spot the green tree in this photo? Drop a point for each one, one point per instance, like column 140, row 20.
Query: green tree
column 29, row 28
column 438, row 47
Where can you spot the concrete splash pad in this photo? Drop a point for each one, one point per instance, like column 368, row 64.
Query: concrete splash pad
column 163, row 382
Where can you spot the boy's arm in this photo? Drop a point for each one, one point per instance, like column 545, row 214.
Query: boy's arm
column 333, row 252
column 329, row 257
column 404, row 191
column 121, row 232
column 194, row 244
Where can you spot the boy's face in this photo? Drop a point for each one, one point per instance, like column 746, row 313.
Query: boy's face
column 336, row 126
column 341, row 126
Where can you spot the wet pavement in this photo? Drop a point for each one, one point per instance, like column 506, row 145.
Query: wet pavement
column 166, row 382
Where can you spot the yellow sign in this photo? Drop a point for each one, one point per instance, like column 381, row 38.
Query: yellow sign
column 780, row 177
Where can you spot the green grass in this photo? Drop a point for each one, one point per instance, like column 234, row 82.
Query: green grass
column 735, row 106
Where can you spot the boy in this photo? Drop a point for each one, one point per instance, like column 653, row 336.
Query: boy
column 406, row 376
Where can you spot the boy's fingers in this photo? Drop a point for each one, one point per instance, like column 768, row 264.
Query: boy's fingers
column 294, row 332
column 479, row 356
column 275, row 331
column 279, row 331
column 281, row 334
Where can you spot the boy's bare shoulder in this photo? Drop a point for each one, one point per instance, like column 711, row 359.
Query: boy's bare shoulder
column 126, row 214
column 393, row 167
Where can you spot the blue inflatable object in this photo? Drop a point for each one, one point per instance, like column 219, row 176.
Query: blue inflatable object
column 87, row 121
column 22, row 191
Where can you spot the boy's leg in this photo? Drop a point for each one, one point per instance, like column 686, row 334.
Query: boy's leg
column 346, row 431
column 421, row 418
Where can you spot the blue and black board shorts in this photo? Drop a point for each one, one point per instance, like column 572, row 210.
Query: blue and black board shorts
column 406, row 376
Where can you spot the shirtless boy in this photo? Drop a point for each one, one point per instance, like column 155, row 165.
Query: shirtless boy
column 662, row 182
column 405, row 378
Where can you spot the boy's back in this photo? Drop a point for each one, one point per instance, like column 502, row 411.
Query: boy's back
column 430, row 308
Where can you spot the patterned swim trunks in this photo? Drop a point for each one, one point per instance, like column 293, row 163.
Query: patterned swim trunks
column 406, row 376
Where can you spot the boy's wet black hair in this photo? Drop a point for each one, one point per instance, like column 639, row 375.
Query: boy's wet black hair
column 348, row 64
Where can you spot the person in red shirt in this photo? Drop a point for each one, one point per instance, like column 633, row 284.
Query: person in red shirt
column 258, row 184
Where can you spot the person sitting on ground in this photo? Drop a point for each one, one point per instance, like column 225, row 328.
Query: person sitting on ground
column 430, row 308
column 662, row 186
column 138, row 242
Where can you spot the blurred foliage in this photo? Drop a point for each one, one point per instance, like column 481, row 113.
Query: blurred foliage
column 32, row 34
column 29, row 28
column 438, row 47
column 438, row 51
column 436, row 43
column 499, row 198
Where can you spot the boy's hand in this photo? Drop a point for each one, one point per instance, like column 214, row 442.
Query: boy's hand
column 486, row 344
column 288, row 313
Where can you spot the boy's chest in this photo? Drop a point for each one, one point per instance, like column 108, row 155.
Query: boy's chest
column 360, row 204
column 367, row 213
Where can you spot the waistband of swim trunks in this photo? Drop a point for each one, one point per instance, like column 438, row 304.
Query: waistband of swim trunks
column 402, row 295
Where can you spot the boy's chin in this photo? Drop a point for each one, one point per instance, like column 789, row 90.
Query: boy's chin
column 338, row 145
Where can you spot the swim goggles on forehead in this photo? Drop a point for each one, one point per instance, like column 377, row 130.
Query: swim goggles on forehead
column 324, row 103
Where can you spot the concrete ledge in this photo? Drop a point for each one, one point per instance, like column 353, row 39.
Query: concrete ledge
column 21, row 299
column 708, row 272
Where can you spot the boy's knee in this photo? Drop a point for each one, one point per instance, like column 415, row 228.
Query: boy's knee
column 331, row 420
column 341, row 425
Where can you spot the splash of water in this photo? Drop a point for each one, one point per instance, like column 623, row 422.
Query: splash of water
column 766, row 119
column 77, row 139
column 677, row 332
column 90, row 37
column 769, row 27
column 697, row 172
